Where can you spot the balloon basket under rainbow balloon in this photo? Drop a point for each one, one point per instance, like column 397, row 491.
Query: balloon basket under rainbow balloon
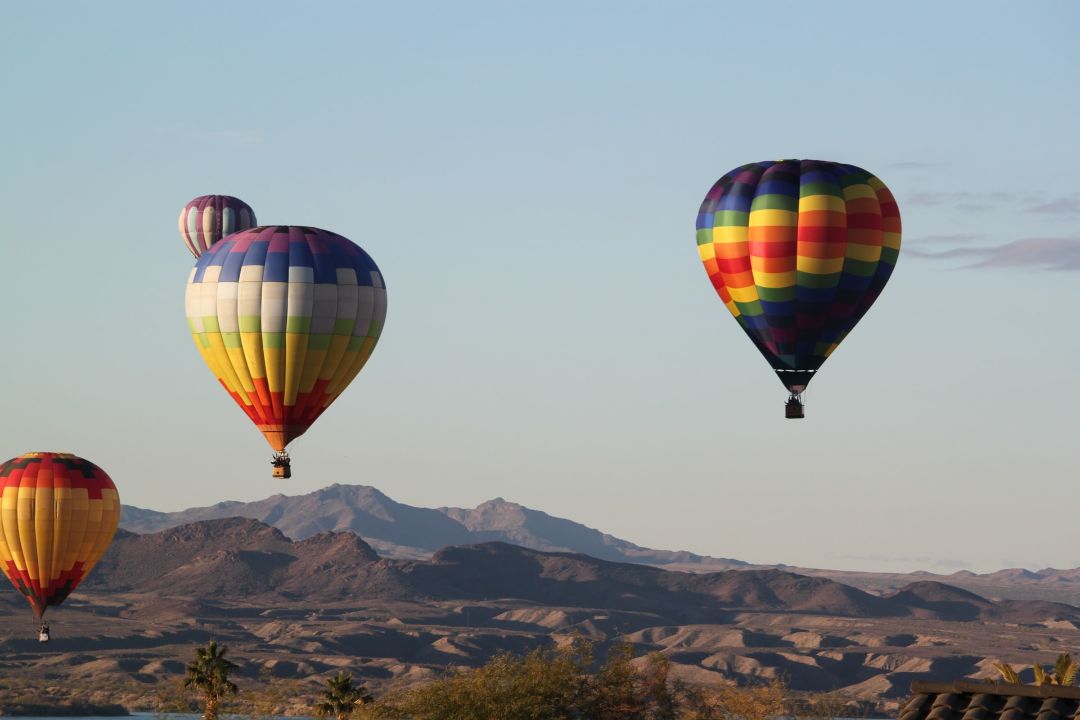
column 282, row 465
column 793, row 408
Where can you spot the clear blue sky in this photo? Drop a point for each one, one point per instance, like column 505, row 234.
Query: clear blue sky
column 527, row 177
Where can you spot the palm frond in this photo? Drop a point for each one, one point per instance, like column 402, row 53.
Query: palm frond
column 1040, row 675
column 1066, row 669
column 1007, row 673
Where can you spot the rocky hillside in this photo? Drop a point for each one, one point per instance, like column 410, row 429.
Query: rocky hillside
column 244, row 558
column 298, row 611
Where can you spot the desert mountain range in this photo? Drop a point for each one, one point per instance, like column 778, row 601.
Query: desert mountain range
column 300, row 610
column 397, row 530
column 400, row 531
column 245, row 558
column 347, row 579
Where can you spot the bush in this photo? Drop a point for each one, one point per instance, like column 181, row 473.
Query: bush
column 557, row 684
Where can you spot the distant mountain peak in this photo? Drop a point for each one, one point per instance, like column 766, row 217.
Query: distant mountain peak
column 403, row 531
column 344, row 490
column 934, row 591
column 222, row 528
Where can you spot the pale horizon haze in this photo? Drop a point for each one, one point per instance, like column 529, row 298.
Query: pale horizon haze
column 527, row 177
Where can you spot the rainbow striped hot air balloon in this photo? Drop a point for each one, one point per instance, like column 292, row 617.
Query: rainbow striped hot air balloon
column 285, row 317
column 58, row 515
column 798, row 250
column 208, row 218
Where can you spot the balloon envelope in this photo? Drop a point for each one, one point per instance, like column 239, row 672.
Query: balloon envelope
column 798, row 250
column 58, row 514
column 208, row 218
column 285, row 317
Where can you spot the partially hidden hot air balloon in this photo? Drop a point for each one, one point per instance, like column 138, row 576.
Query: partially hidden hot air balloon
column 285, row 317
column 208, row 218
column 798, row 250
column 58, row 514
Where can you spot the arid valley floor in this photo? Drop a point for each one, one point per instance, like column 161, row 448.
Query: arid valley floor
column 295, row 612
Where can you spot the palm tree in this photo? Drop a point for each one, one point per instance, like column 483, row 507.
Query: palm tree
column 1064, row 672
column 209, row 673
column 341, row 697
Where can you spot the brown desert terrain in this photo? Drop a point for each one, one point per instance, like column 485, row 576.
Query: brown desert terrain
column 296, row 611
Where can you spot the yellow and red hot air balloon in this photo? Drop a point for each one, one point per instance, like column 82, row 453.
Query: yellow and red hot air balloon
column 58, row 515
column 285, row 317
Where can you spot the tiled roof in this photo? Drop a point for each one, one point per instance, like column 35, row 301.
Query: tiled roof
column 971, row 700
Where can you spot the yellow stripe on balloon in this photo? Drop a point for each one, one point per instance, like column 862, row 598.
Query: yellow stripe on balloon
column 860, row 190
column 5, row 553
column 275, row 368
column 316, row 358
column 743, row 294
column 80, row 503
column 295, row 352
column 352, row 364
column 820, row 266
column 252, row 344
column 773, row 218
column 238, row 362
column 343, row 375
column 338, row 345
column 9, row 506
column 222, row 362
column 729, row 234
column 93, row 528
column 865, row 253
column 202, row 342
column 827, row 203
column 43, row 528
column 61, row 516
column 355, row 365
column 110, row 520
column 774, row 280
column 25, row 524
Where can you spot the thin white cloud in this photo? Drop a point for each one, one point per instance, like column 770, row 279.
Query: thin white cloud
column 945, row 239
column 1064, row 205
column 967, row 201
column 926, row 199
column 1052, row 253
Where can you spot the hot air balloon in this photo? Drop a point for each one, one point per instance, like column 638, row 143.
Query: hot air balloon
column 208, row 218
column 285, row 317
column 798, row 250
column 58, row 514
